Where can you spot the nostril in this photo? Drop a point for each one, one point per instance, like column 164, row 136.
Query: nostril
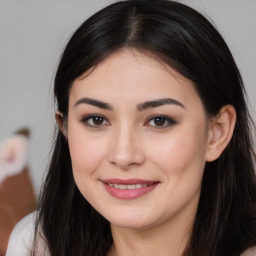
column 125, row 151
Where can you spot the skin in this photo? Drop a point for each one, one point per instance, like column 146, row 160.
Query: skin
column 129, row 143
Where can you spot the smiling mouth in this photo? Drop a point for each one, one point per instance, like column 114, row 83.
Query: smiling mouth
column 133, row 186
column 128, row 189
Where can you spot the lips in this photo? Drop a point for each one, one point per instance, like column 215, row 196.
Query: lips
column 128, row 189
column 133, row 186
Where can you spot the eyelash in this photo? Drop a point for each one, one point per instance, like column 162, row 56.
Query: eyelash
column 86, row 120
column 167, row 121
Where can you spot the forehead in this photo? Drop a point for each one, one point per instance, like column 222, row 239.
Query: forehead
column 129, row 60
column 132, row 74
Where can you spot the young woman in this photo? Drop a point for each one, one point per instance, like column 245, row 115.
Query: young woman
column 154, row 153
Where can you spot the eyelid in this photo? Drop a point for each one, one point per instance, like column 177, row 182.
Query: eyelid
column 85, row 119
column 170, row 121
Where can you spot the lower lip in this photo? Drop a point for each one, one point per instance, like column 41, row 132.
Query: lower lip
column 128, row 193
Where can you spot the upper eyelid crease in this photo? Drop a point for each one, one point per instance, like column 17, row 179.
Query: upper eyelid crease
column 140, row 107
column 168, row 119
column 88, row 117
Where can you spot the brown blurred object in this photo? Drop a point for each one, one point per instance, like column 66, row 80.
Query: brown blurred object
column 25, row 132
column 17, row 199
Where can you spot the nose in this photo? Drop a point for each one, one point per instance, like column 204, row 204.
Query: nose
column 126, row 149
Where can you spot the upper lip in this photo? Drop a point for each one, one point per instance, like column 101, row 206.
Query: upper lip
column 129, row 181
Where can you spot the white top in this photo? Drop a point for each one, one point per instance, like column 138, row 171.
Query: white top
column 22, row 238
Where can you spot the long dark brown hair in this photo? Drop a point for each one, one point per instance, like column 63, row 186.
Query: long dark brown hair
column 189, row 43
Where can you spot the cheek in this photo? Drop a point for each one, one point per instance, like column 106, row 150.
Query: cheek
column 86, row 152
column 182, row 154
column 182, row 161
column 86, row 157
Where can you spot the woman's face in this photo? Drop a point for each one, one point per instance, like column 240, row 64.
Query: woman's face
column 138, row 137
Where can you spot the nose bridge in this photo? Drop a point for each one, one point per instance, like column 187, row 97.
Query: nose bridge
column 125, row 149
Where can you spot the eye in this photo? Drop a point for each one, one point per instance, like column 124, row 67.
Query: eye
column 160, row 121
column 95, row 121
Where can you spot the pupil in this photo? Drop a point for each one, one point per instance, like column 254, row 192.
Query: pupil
column 159, row 121
column 98, row 120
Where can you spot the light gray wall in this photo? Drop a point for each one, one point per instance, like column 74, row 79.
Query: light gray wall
column 33, row 34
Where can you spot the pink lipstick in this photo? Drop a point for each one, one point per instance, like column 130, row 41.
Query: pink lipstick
column 128, row 189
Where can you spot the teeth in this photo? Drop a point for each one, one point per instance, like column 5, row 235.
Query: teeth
column 122, row 187
column 133, row 186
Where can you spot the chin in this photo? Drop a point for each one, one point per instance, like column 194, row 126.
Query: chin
column 131, row 224
column 130, row 220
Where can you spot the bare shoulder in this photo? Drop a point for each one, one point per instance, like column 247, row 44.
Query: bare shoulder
column 250, row 252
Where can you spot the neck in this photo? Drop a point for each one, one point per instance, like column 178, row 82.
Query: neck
column 163, row 240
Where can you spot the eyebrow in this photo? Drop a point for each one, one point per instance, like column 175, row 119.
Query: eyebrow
column 93, row 102
column 158, row 103
column 140, row 107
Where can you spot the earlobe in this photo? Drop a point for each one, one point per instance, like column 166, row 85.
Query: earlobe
column 220, row 132
column 60, row 121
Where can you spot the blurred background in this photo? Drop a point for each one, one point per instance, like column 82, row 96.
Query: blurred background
column 32, row 36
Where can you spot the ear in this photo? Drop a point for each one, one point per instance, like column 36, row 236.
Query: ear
column 220, row 132
column 61, row 123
